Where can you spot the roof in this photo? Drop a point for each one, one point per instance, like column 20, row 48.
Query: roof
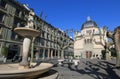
column 89, row 23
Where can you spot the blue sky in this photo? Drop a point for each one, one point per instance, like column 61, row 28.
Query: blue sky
column 67, row 14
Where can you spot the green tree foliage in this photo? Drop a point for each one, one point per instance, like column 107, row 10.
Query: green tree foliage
column 113, row 52
column 4, row 51
column 103, row 54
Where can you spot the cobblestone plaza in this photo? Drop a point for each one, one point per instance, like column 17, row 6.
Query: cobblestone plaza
column 53, row 45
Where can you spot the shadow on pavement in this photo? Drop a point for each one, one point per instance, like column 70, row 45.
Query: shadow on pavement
column 97, row 70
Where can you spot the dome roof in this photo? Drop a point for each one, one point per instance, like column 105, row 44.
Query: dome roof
column 89, row 23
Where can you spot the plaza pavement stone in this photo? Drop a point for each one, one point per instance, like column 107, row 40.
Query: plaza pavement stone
column 89, row 69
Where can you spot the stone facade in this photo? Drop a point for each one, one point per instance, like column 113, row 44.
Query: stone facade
column 14, row 14
column 89, row 41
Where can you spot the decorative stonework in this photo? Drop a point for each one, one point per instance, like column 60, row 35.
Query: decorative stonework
column 28, row 32
column 89, row 40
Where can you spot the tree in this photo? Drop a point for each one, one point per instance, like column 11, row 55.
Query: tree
column 113, row 52
column 103, row 54
column 103, row 41
column 4, row 51
column 115, row 36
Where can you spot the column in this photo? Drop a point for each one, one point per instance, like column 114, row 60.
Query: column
column 48, row 56
column 51, row 54
column 62, row 54
column 58, row 54
column 43, row 55
column 26, row 47
column 37, row 54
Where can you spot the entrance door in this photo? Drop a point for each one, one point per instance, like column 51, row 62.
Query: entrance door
column 88, row 54
column 11, row 54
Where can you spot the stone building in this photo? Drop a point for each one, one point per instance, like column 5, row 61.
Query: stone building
column 14, row 14
column 90, row 40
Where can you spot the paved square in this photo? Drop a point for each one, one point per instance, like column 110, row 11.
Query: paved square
column 89, row 69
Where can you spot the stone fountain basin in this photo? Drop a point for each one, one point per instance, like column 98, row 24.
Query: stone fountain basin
column 27, row 32
column 11, row 71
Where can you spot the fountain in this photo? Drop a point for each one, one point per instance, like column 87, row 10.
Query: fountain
column 25, row 69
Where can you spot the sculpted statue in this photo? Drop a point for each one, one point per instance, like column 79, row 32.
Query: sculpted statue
column 115, row 36
column 27, row 40
column 30, row 22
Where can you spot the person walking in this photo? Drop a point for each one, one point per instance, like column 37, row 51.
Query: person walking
column 76, row 63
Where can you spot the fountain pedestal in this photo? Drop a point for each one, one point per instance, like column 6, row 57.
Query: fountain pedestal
column 28, row 33
column 11, row 71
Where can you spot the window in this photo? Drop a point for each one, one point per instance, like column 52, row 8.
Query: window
column 16, row 21
column 13, row 36
column 2, row 3
column 88, row 31
column 85, row 41
column 47, row 35
column 17, row 12
column 42, row 42
column 43, row 34
column 1, row 17
column 23, row 14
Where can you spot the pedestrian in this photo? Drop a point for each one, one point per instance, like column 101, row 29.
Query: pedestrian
column 76, row 64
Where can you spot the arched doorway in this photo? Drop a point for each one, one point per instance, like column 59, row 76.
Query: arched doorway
column 88, row 54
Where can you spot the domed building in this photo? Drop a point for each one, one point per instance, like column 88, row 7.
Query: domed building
column 89, row 41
